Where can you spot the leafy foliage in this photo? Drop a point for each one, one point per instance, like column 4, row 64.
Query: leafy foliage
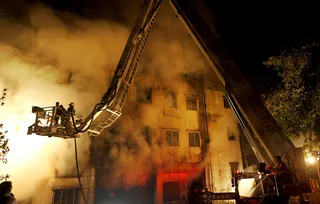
column 4, row 148
column 295, row 104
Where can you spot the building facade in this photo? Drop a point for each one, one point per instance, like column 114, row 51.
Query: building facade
column 185, row 124
column 189, row 119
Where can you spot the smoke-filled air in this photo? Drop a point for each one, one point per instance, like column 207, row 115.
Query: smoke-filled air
column 128, row 157
column 44, row 60
column 47, row 57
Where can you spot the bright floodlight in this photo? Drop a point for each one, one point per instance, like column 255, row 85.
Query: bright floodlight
column 311, row 160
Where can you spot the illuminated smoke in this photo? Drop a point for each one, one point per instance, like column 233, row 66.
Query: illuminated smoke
column 37, row 58
column 127, row 157
column 51, row 57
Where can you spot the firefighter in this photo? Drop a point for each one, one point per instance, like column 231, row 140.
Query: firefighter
column 280, row 166
column 281, row 170
column 63, row 114
column 70, row 113
column 71, row 109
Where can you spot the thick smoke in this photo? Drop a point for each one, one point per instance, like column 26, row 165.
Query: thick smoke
column 171, row 50
column 43, row 59
column 128, row 158
column 51, row 57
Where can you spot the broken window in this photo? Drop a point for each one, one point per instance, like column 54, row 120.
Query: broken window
column 147, row 133
column 171, row 99
column 143, row 94
column 172, row 138
column 70, row 196
column 194, row 139
column 192, row 103
column 225, row 102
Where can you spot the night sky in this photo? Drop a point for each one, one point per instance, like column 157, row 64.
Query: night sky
column 252, row 30
column 255, row 31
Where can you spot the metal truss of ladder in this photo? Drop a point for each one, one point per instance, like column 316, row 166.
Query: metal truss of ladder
column 110, row 115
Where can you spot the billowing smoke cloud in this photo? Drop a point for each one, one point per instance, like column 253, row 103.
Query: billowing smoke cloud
column 128, row 158
column 43, row 59
column 171, row 50
column 51, row 57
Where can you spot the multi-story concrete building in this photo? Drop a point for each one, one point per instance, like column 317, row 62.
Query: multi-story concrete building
column 190, row 121
column 174, row 131
column 190, row 132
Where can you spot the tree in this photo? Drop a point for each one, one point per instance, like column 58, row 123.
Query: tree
column 4, row 148
column 295, row 103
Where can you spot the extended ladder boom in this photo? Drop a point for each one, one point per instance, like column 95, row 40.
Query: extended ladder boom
column 115, row 97
column 49, row 122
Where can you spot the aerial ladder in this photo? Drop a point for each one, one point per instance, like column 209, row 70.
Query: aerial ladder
column 260, row 128
column 110, row 108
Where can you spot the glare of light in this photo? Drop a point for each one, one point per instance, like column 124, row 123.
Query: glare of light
column 311, row 160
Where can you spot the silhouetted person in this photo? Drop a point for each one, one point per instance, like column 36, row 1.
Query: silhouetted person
column 71, row 109
column 280, row 166
column 58, row 111
column 6, row 197
column 69, row 114
column 281, row 170
column 62, row 114
column 62, row 108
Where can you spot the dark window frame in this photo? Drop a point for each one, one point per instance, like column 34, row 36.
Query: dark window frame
column 231, row 136
column 225, row 102
column 192, row 103
column 172, row 138
column 64, row 195
column 171, row 99
column 194, row 136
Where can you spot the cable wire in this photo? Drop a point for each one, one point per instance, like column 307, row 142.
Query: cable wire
column 78, row 172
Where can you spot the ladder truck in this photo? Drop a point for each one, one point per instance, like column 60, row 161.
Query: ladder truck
column 263, row 133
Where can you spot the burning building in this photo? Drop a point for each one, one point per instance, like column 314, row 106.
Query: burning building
column 176, row 127
column 172, row 133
